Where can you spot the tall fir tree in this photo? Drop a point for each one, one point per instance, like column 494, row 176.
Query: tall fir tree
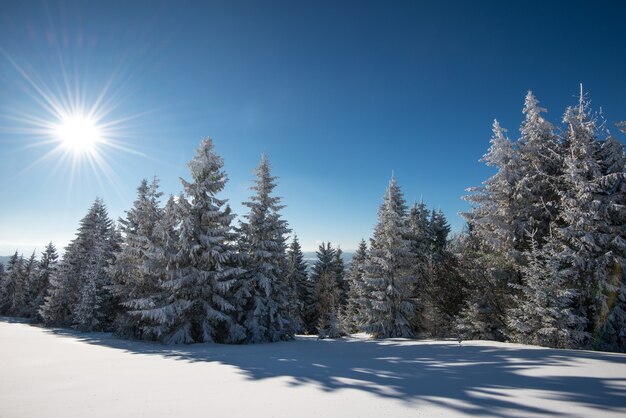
column 14, row 286
column 327, row 293
column 198, row 307
column 297, row 279
column 262, row 235
column 389, row 279
column 354, row 311
column 47, row 267
column 79, row 292
column 134, row 281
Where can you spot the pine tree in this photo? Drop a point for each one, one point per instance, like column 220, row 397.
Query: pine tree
column 297, row 279
column 97, row 240
column 161, row 255
column 327, row 293
column 539, row 165
column 494, row 234
column 353, row 313
column 390, row 307
column 342, row 283
column 14, row 286
column 205, row 268
column 265, row 313
column 39, row 287
column 79, row 294
column 29, row 281
column 134, row 282
column 542, row 313
column 584, row 246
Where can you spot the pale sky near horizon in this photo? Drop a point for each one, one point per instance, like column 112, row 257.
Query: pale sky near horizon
column 339, row 94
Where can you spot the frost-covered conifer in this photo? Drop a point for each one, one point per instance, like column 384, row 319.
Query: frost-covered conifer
column 79, row 293
column 135, row 283
column 342, row 283
column 197, row 308
column 46, row 268
column 327, row 293
column 265, row 313
column 388, row 275
column 353, row 312
column 297, row 278
column 542, row 312
column 14, row 286
column 95, row 308
column 539, row 165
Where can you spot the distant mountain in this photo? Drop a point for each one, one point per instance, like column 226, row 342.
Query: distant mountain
column 310, row 257
column 4, row 259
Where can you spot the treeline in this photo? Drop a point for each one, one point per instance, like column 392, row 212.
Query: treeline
column 539, row 263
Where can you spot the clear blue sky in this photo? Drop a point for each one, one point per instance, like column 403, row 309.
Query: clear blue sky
column 338, row 94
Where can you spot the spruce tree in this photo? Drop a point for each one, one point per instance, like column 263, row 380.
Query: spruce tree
column 198, row 307
column 79, row 292
column 353, row 313
column 133, row 279
column 14, row 286
column 265, row 313
column 327, row 293
column 47, row 267
column 297, row 279
column 388, row 275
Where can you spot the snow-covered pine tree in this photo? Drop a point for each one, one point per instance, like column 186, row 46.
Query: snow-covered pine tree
column 79, row 294
column 96, row 307
column 29, row 280
column 134, row 282
column 353, row 312
column 46, row 268
column 388, row 275
column 542, row 313
column 14, row 286
column 611, row 333
column 205, row 269
column 443, row 290
column 327, row 294
column 539, row 166
column 262, row 235
column 297, row 278
column 161, row 255
column 342, row 283
column 585, row 249
column 492, row 253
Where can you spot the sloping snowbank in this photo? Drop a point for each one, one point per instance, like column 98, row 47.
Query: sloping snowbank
column 59, row 373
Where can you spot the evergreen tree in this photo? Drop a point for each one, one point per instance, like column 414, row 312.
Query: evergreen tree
column 134, row 280
column 265, row 313
column 327, row 293
column 14, row 286
column 342, row 283
column 97, row 240
column 205, row 269
column 539, row 165
column 161, row 255
column 39, row 287
column 297, row 279
column 542, row 313
column 79, row 292
column 29, row 281
column 353, row 313
column 492, row 257
column 388, row 275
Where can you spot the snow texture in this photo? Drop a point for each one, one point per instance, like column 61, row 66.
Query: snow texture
column 62, row 373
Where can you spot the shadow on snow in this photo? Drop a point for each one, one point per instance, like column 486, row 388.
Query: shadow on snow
column 466, row 378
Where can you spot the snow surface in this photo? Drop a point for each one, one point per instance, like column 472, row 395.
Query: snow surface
column 62, row 373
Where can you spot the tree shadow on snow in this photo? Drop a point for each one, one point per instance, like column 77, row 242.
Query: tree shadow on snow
column 468, row 378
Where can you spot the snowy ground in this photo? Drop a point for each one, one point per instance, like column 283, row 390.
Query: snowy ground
column 60, row 373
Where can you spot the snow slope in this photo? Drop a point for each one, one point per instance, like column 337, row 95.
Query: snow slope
column 60, row 373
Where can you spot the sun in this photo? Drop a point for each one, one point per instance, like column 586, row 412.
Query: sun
column 78, row 133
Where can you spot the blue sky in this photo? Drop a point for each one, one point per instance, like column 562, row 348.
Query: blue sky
column 338, row 94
